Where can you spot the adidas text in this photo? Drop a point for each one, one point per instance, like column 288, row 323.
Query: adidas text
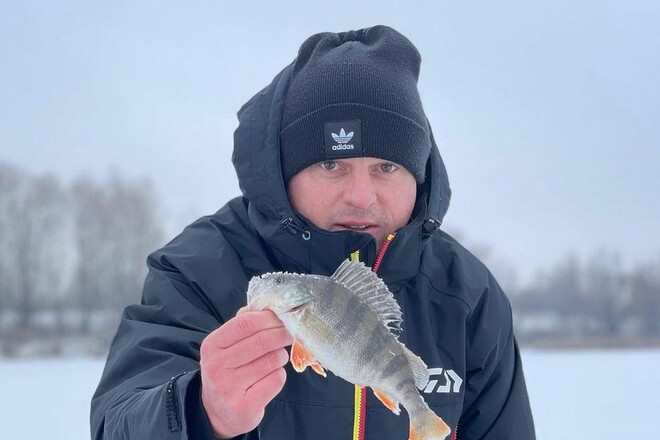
column 343, row 147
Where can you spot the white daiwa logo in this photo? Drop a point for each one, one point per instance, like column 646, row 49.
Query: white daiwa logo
column 446, row 381
column 342, row 137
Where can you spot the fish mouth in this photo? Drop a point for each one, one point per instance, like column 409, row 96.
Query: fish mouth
column 251, row 290
column 296, row 309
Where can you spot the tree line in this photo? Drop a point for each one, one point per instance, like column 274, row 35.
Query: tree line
column 595, row 302
column 73, row 256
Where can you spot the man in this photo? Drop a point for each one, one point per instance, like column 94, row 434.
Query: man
column 335, row 159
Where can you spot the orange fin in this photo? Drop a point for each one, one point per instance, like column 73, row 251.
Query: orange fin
column 318, row 368
column 428, row 426
column 302, row 358
column 389, row 403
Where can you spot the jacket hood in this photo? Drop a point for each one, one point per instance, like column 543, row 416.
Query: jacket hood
column 296, row 242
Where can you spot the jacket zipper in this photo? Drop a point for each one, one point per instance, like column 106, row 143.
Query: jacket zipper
column 172, row 404
column 381, row 252
column 360, row 395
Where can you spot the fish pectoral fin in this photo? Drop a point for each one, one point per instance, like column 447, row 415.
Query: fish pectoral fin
column 302, row 358
column 389, row 403
column 318, row 368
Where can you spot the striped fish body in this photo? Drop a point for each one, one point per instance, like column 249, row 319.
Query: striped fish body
column 348, row 323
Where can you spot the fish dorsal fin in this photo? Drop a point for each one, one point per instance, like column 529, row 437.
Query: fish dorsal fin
column 372, row 291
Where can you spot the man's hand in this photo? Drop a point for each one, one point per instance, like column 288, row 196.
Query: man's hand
column 242, row 370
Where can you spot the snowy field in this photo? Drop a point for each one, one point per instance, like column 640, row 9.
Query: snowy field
column 575, row 395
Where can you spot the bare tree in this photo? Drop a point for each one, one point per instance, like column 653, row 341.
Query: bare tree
column 39, row 217
column 11, row 181
column 606, row 292
column 91, row 220
column 116, row 227
column 564, row 285
column 644, row 306
column 135, row 233
column 52, row 219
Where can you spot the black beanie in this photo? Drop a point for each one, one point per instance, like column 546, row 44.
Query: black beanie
column 354, row 94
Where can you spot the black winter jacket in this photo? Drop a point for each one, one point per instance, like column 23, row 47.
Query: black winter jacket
column 455, row 316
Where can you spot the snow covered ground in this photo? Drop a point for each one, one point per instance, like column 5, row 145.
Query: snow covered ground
column 575, row 395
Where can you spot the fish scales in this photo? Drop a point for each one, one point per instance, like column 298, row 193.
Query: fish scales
column 347, row 314
column 359, row 343
column 345, row 323
column 326, row 311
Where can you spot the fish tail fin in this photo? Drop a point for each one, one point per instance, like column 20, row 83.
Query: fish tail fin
column 426, row 425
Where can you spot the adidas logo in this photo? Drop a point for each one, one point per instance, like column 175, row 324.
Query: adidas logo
column 342, row 137
column 445, row 381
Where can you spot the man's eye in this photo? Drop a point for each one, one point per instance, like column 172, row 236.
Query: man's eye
column 329, row 165
column 387, row 167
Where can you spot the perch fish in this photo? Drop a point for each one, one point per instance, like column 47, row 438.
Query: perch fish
column 347, row 323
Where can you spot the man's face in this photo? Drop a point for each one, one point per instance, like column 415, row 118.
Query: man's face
column 364, row 194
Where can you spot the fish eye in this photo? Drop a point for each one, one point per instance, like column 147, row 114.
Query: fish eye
column 278, row 280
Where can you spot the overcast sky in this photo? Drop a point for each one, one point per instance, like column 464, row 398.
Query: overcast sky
column 546, row 113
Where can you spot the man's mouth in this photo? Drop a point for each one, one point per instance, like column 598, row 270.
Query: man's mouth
column 356, row 227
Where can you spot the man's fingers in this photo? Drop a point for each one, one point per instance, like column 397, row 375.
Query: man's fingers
column 240, row 327
column 256, row 346
column 242, row 369
column 252, row 373
column 262, row 392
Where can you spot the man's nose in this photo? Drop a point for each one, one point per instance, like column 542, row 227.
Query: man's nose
column 359, row 190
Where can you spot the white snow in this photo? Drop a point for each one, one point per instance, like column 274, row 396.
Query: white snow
column 578, row 395
column 594, row 394
column 47, row 398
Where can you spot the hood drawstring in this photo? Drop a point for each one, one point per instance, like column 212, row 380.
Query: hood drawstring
column 294, row 229
column 430, row 225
